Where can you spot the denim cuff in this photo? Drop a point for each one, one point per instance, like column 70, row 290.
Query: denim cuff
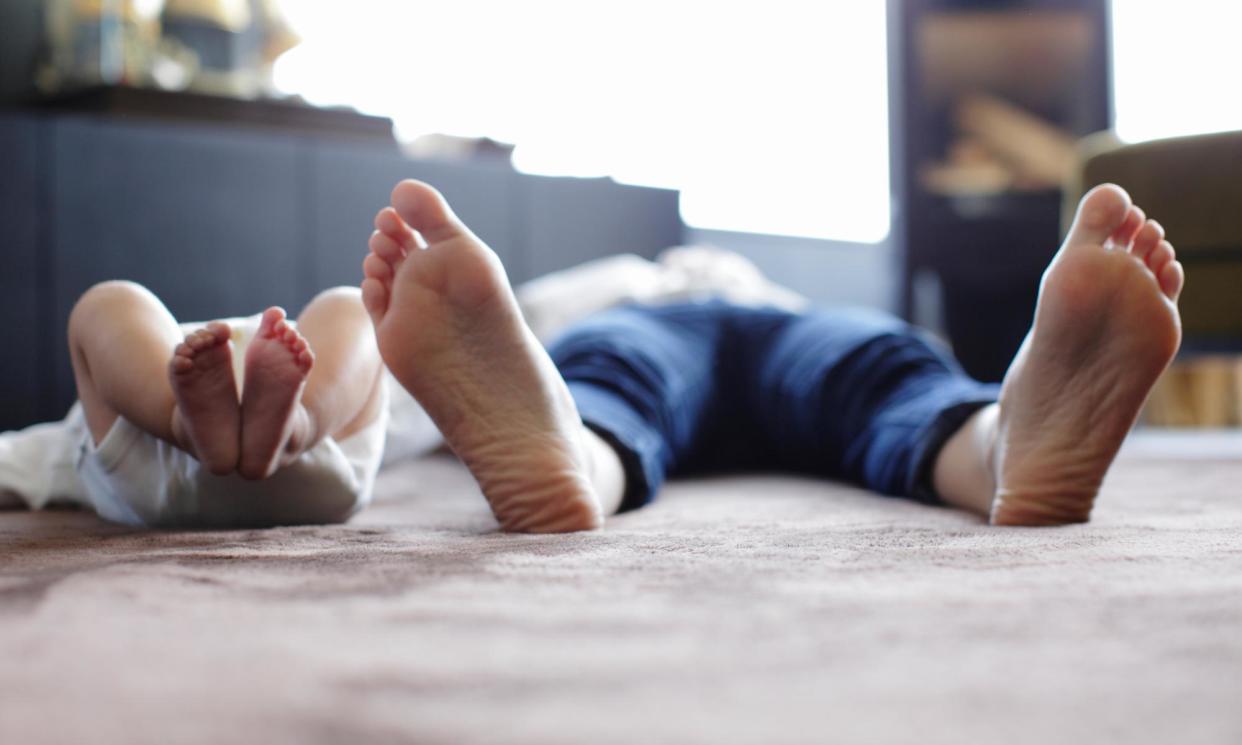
column 637, row 444
column 955, row 413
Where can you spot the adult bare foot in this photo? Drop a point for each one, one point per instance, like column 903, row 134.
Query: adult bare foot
column 274, row 424
column 206, row 419
column 450, row 330
column 1106, row 326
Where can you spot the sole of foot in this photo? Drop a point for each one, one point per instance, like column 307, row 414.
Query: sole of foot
column 273, row 422
column 449, row 329
column 206, row 420
column 1106, row 326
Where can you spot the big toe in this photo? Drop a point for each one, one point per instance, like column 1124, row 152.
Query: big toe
column 425, row 209
column 1100, row 213
column 270, row 321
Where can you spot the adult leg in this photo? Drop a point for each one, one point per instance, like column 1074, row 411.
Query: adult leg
column 127, row 362
column 855, row 395
column 450, row 330
column 900, row 418
column 1106, row 326
column 646, row 380
column 864, row 400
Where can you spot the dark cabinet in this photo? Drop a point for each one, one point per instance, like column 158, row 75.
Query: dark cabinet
column 24, row 306
column 209, row 224
column 987, row 100
column 221, row 220
column 350, row 183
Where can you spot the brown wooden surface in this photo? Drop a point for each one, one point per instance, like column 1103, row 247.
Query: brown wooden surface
column 287, row 115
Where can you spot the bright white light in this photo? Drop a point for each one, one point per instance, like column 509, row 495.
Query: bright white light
column 769, row 116
column 1176, row 67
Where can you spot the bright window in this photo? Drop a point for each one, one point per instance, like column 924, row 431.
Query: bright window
column 1176, row 67
column 770, row 117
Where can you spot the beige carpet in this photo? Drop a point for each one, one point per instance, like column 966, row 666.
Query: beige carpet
column 744, row 610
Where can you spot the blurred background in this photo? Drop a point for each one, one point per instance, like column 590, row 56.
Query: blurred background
column 917, row 156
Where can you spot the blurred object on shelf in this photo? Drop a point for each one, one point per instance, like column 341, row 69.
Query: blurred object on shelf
column 92, row 42
column 1041, row 154
column 451, row 147
column 223, row 47
column 234, row 16
column 236, row 42
column 1032, row 52
column 1001, row 147
column 1203, row 391
column 971, row 168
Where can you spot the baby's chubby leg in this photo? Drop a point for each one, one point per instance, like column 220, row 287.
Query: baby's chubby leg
column 345, row 391
column 321, row 380
column 129, row 360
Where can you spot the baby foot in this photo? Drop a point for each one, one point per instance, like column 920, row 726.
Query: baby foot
column 1106, row 326
column 450, row 330
column 274, row 425
column 206, row 419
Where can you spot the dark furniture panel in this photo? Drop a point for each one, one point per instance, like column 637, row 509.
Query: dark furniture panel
column 23, row 333
column 977, row 91
column 569, row 221
column 351, row 183
column 208, row 220
column 224, row 221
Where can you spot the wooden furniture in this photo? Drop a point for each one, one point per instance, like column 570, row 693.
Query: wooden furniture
column 283, row 117
column 986, row 99
column 1200, row 390
column 1190, row 185
column 219, row 219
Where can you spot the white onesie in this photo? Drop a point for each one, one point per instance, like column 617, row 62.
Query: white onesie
column 134, row 478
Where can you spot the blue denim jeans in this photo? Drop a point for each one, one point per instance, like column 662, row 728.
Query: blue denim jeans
column 688, row 389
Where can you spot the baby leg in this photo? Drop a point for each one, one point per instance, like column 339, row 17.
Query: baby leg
column 121, row 338
column 344, row 393
column 320, row 380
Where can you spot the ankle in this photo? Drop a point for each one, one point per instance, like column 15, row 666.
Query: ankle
column 987, row 433
column 965, row 471
column 304, row 434
column 177, row 432
column 605, row 472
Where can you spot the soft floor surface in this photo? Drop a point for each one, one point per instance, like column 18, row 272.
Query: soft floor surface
column 763, row 610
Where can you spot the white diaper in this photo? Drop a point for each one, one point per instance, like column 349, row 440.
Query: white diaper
column 134, row 478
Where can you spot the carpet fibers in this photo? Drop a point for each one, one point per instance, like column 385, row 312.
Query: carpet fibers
column 735, row 610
